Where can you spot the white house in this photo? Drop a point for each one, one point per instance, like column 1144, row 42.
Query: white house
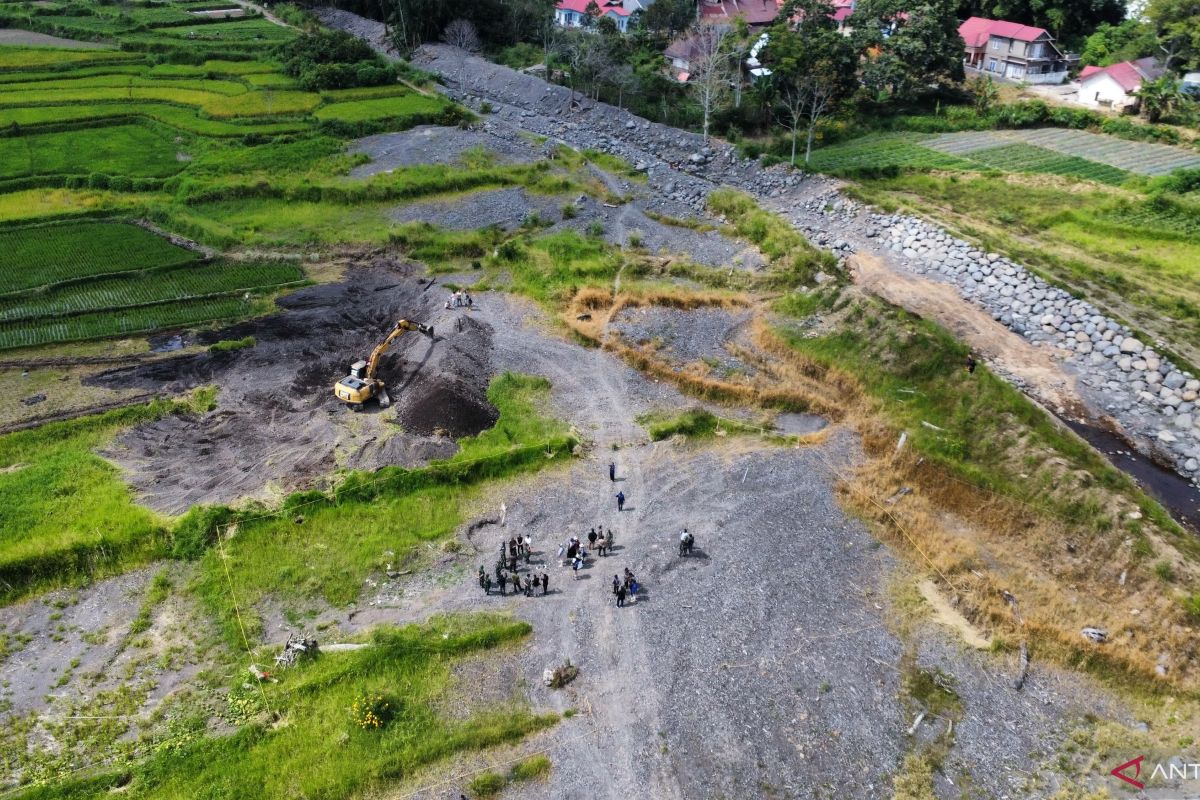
column 574, row 14
column 1114, row 86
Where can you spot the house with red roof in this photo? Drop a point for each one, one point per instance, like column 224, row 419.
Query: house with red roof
column 757, row 13
column 574, row 13
column 1114, row 86
column 1013, row 51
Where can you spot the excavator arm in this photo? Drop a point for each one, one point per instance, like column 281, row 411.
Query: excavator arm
column 402, row 327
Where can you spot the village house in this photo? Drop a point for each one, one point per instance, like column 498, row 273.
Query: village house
column 574, row 13
column 757, row 13
column 1014, row 51
column 1114, row 86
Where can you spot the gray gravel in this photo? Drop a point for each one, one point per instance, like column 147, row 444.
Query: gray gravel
column 435, row 144
column 507, row 208
column 684, row 337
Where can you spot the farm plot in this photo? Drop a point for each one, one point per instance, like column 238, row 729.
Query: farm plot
column 126, row 321
column 132, row 150
column 409, row 109
column 16, row 36
column 1142, row 158
column 20, row 58
column 144, row 288
column 1027, row 158
column 185, row 119
column 52, row 254
column 877, row 151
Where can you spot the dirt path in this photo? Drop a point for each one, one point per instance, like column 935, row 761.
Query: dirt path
column 1042, row 374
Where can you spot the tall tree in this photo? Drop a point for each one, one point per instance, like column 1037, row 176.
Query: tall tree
column 1177, row 25
column 1130, row 40
column 670, row 17
column 461, row 33
column 1158, row 97
column 710, row 70
column 908, row 48
column 812, row 69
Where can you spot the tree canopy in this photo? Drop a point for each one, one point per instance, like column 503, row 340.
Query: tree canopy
column 908, row 49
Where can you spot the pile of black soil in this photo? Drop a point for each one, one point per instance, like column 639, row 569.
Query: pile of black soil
column 278, row 426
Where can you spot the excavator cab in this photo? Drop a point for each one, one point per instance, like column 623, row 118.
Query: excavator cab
column 361, row 384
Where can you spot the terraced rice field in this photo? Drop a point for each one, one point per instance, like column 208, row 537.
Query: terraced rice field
column 74, row 281
column 133, row 150
column 1142, row 158
column 41, row 256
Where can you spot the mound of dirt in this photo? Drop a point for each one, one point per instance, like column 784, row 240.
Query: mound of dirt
column 278, row 426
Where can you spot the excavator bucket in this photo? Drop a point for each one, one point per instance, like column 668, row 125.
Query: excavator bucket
column 385, row 399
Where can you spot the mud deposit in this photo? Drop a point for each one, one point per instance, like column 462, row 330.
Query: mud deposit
column 433, row 144
column 277, row 426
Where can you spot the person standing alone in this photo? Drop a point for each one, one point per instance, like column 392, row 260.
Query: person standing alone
column 620, row 501
column 612, row 471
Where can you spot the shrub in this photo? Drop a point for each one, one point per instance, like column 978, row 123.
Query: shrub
column 97, row 180
column 485, row 108
column 1191, row 605
column 229, row 345
column 1164, row 571
column 532, row 767
column 198, row 529
column 569, row 211
column 371, row 712
column 489, row 784
column 595, row 229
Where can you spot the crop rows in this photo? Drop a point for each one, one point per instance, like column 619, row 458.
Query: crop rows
column 883, row 150
column 24, row 333
column 134, row 289
column 41, row 256
column 176, row 116
column 1145, row 218
column 1027, row 158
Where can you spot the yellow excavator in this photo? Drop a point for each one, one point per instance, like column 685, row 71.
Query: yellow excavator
column 361, row 384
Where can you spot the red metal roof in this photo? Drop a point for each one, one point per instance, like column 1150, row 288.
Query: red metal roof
column 1128, row 74
column 977, row 30
column 755, row 12
column 580, row 6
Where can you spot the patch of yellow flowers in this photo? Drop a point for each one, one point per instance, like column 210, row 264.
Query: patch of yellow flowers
column 370, row 712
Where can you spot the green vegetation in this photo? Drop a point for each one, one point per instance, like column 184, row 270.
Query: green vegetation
column 795, row 261
column 65, row 513
column 490, row 784
column 321, row 752
column 230, row 345
column 132, row 150
column 76, row 281
column 37, row 257
column 887, row 154
column 695, row 423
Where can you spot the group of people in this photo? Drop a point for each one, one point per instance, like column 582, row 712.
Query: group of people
column 686, row 543
column 460, row 299
column 506, row 572
column 627, row 587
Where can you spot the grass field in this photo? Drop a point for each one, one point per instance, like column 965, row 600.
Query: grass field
column 407, row 675
column 132, row 150
column 65, row 513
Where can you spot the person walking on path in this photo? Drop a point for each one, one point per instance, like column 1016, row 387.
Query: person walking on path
column 616, row 584
column 528, row 547
column 545, row 583
column 621, row 597
column 575, row 565
column 608, row 541
column 502, row 580
column 592, row 538
column 516, row 583
column 487, row 584
column 620, row 501
column 612, row 471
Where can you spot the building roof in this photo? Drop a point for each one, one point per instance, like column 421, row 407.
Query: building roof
column 606, row 7
column 755, row 12
column 977, row 30
column 1128, row 74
